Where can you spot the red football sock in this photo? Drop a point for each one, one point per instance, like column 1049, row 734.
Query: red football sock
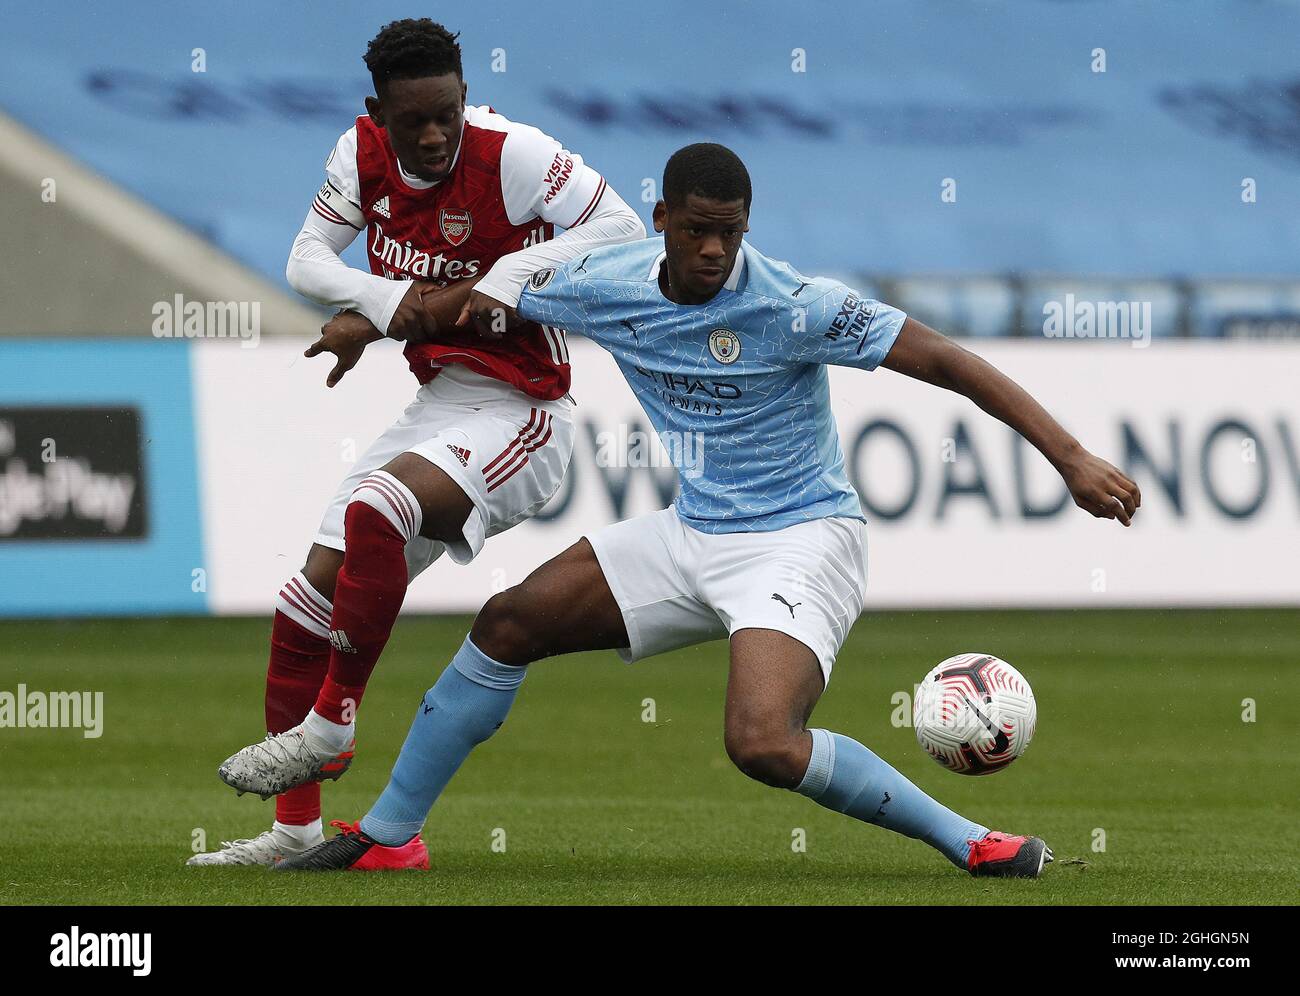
column 367, row 596
column 299, row 660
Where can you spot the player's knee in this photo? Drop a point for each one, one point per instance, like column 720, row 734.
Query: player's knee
column 770, row 756
column 442, row 505
column 322, row 569
column 387, row 504
column 503, row 631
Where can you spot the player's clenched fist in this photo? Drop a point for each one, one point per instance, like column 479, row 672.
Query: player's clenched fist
column 346, row 335
column 1101, row 489
column 412, row 322
column 491, row 318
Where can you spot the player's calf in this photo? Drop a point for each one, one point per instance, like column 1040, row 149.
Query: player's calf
column 506, row 631
column 775, row 757
column 382, row 517
column 466, row 706
column 473, row 696
column 299, row 660
column 774, row 683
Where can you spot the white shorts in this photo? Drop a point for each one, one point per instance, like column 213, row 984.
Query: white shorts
column 676, row 586
column 506, row 450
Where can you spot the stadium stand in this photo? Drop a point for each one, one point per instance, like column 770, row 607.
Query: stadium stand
column 117, row 254
column 1132, row 181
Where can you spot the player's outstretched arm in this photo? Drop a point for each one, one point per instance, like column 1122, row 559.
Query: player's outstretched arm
column 1095, row 485
column 542, row 179
column 348, row 333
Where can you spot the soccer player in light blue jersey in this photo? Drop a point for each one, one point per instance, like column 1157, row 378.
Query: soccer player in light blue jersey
column 726, row 350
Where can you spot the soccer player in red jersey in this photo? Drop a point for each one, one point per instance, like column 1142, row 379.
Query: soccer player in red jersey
column 459, row 206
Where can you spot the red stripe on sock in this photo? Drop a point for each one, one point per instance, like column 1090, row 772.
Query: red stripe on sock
column 295, row 598
column 367, row 597
column 397, row 491
column 308, row 592
column 297, row 666
column 394, row 500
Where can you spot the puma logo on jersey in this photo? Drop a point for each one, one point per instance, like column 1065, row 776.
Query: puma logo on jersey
column 801, row 287
column 778, row 598
column 380, row 207
column 460, row 453
column 339, row 641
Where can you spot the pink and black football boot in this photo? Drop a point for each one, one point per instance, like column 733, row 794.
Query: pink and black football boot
column 1004, row 855
column 353, row 850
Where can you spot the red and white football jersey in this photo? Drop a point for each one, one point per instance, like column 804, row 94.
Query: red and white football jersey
column 510, row 186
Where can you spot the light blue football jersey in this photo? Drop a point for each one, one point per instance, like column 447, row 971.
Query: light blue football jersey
column 736, row 388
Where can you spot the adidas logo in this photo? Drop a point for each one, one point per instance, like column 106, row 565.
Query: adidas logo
column 339, row 641
column 460, row 453
column 380, row 207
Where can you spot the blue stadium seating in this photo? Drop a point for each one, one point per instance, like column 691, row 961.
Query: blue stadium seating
column 1131, row 173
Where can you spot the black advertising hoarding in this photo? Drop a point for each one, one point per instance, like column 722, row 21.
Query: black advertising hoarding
column 71, row 473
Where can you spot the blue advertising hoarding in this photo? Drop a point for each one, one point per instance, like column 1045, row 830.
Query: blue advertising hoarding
column 99, row 491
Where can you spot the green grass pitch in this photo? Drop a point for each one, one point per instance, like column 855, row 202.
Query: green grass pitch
column 1140, row 737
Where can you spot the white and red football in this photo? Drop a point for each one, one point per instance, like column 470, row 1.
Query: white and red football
column 974, row 714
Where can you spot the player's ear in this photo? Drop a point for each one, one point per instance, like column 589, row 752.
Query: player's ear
column 376, row 110
column 464, row 90
column 660, row 215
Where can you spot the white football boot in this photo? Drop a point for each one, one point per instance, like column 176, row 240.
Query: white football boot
column 265, row 849
column 280, row 762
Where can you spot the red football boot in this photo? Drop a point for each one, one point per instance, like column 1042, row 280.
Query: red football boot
column 352, row 849
column 1004, row 855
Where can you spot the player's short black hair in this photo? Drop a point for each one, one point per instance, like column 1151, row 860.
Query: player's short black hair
column 412, row 49
column 706, row 169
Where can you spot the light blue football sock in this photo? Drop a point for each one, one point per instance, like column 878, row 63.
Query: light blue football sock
column 846, row 777
column 460, row 711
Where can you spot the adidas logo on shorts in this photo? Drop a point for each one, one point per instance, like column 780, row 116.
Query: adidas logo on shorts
column 460, row 453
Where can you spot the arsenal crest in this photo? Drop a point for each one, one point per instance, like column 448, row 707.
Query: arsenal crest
column 455, row 225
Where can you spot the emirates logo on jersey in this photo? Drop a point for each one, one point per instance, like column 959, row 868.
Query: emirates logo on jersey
column 455, row 224
column 400, row 259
